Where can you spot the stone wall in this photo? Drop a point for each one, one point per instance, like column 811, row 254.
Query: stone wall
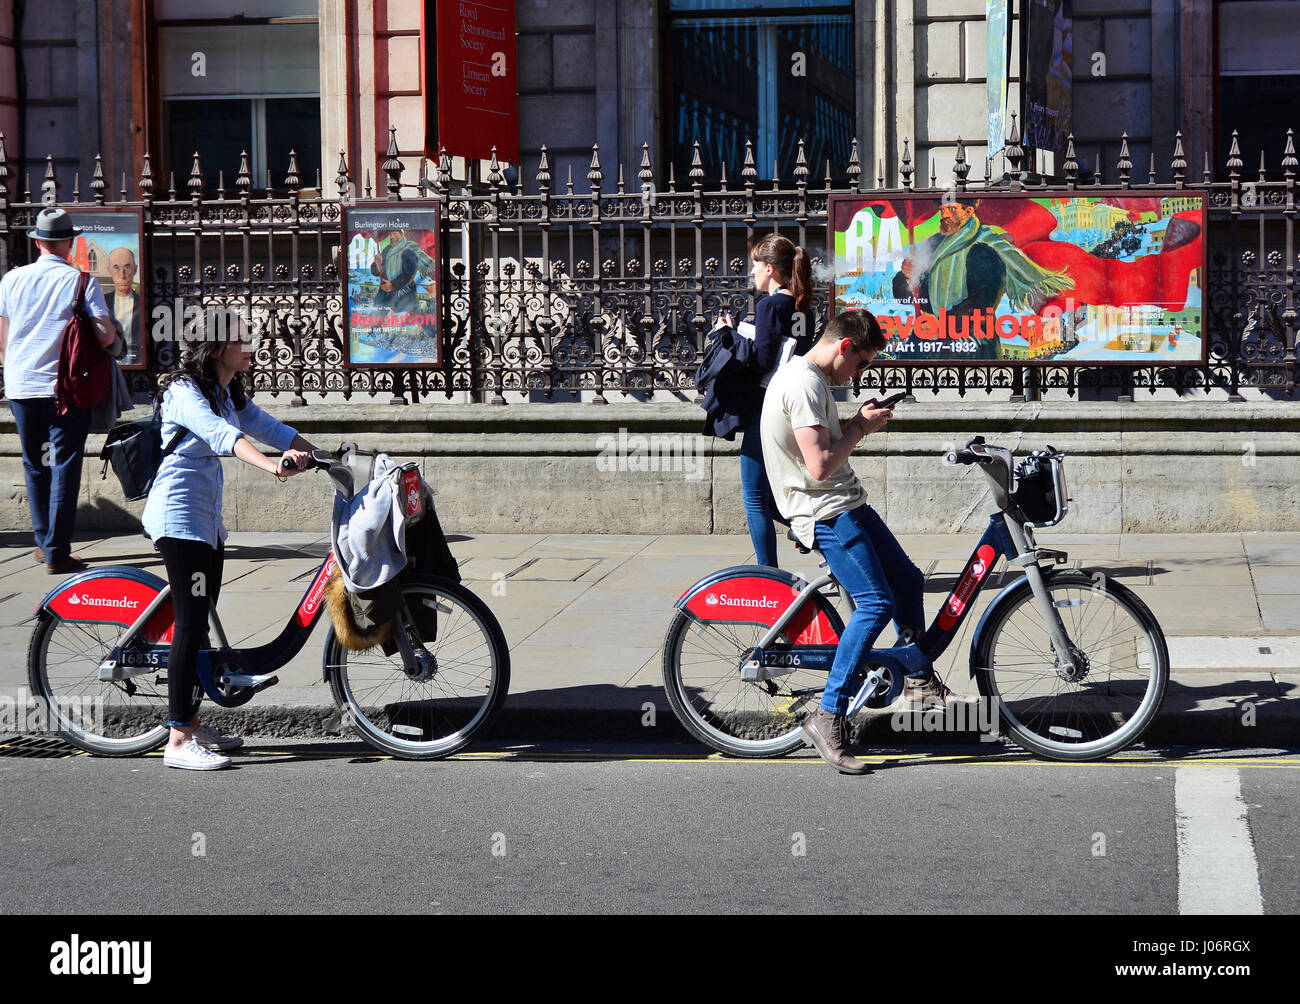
column 1165, row 467
column 59, row 81
column 1125, row 65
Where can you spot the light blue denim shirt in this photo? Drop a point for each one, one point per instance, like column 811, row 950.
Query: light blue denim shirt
column 185, row 500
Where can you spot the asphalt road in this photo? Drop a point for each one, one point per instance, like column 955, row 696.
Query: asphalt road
column 334, row 828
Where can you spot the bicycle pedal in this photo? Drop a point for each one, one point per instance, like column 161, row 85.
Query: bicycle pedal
column 244, row 680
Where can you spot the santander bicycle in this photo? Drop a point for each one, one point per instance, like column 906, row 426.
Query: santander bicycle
column 102, row 640
column 1075, row 663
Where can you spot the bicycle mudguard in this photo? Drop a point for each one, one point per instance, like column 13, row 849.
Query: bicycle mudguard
column 113, row 595
column 757, row 594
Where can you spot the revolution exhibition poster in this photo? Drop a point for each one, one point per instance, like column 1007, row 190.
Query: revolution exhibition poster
column 391, row 286
column 1097, row 278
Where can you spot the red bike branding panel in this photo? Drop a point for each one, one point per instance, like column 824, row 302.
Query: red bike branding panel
column 975, row 573
column 310, row 605
column 752, row 599
column 113, row 600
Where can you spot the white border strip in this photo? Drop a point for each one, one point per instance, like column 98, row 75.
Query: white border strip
column 1217, row 870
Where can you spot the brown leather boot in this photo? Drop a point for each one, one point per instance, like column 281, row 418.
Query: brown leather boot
column 929, row 692
column 825, row 732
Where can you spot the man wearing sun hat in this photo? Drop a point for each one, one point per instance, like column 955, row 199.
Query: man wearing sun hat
column 36, row 304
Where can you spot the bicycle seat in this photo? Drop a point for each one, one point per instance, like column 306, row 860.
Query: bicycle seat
column 789, row 535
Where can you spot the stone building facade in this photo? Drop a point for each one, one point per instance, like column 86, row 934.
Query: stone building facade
column 84, row 76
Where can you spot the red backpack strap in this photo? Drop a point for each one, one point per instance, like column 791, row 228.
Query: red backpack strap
column 83, row 280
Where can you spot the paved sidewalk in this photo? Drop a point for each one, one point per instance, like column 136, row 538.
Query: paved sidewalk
column 585, row 616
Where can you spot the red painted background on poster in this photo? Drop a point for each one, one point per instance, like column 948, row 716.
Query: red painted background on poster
column 472, row 45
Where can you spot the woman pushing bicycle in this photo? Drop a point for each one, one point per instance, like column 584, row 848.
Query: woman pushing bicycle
column 206, row 397
column 806, row 451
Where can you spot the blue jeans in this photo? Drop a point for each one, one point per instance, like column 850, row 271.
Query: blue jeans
column 53, row 471
column 885, row 585
column 760, row 504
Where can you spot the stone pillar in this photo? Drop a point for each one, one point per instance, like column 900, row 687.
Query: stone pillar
column 640, row 55
column 8, row 82
column 1196, row 25
column 336, row 98
column 903, row 121
column 124, row 97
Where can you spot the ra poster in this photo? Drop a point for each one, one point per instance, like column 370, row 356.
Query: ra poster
column 1098, row 278
column 108, row 247
column 391, row 285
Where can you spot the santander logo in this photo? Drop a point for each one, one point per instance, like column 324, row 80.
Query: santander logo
column 744, row 601
column 711, row 600
column 966, row 587
column 312, row 601
column 125, row 603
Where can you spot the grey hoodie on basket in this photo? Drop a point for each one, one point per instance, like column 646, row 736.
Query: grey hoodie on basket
column 369, row 529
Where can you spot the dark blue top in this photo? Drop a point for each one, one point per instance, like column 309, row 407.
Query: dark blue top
column 735, row 381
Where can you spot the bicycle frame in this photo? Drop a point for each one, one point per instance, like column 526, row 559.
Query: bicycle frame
column 226, row 674
column 1005, row 537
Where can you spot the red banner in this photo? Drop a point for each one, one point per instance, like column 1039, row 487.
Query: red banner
column 473, row 48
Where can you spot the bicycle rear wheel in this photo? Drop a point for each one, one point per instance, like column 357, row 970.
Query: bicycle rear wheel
column 109, row 718
column 701, row 666
column 1122, row 668
column 435, row 709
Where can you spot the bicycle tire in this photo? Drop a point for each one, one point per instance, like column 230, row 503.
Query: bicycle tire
column 471, row 654
column 128, row 719
column 1096, row 716
column 746, row 724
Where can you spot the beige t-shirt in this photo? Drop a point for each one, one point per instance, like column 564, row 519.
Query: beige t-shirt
column 799, row 397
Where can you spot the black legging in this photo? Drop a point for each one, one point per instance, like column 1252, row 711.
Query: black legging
column 186, row 561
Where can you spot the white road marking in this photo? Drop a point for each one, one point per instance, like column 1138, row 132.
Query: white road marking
column 1211, row 652
column 1217, row 870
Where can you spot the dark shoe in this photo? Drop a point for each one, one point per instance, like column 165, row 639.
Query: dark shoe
column 66, row 567
column 825, row 732
column 39, row 555
column 929, row 692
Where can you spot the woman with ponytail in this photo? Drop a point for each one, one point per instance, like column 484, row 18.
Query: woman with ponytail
column 783, row 327
column 206, row 397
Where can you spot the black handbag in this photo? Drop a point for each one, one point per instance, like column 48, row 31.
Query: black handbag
column 136, row 452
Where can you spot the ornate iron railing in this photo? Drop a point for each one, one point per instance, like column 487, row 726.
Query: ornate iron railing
column 557, row 293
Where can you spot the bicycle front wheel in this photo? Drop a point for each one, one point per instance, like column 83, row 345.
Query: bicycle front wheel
column 109, row 718
column 702, row 662
column 448, row 697
column 1120, row 675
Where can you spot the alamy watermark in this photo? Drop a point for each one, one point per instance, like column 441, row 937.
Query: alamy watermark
column 178, row 321
column 963, row 716
column 676, row 453
column 32, row 714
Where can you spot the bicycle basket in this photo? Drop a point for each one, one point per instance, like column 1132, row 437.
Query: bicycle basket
column 1040, row 489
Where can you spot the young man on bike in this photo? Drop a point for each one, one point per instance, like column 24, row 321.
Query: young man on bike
column 807, row 456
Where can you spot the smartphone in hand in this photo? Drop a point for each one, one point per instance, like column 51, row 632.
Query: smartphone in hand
column 892, row 400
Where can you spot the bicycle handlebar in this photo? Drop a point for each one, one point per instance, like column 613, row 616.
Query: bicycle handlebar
column 966, row 456
column 319, row 459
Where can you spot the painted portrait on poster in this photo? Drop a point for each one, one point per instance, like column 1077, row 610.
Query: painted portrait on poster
column 109, row 248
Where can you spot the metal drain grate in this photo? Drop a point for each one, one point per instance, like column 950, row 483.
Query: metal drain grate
column 37, row 747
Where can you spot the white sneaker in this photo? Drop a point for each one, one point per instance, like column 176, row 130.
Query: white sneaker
column 207, row 736
column 192, row 756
